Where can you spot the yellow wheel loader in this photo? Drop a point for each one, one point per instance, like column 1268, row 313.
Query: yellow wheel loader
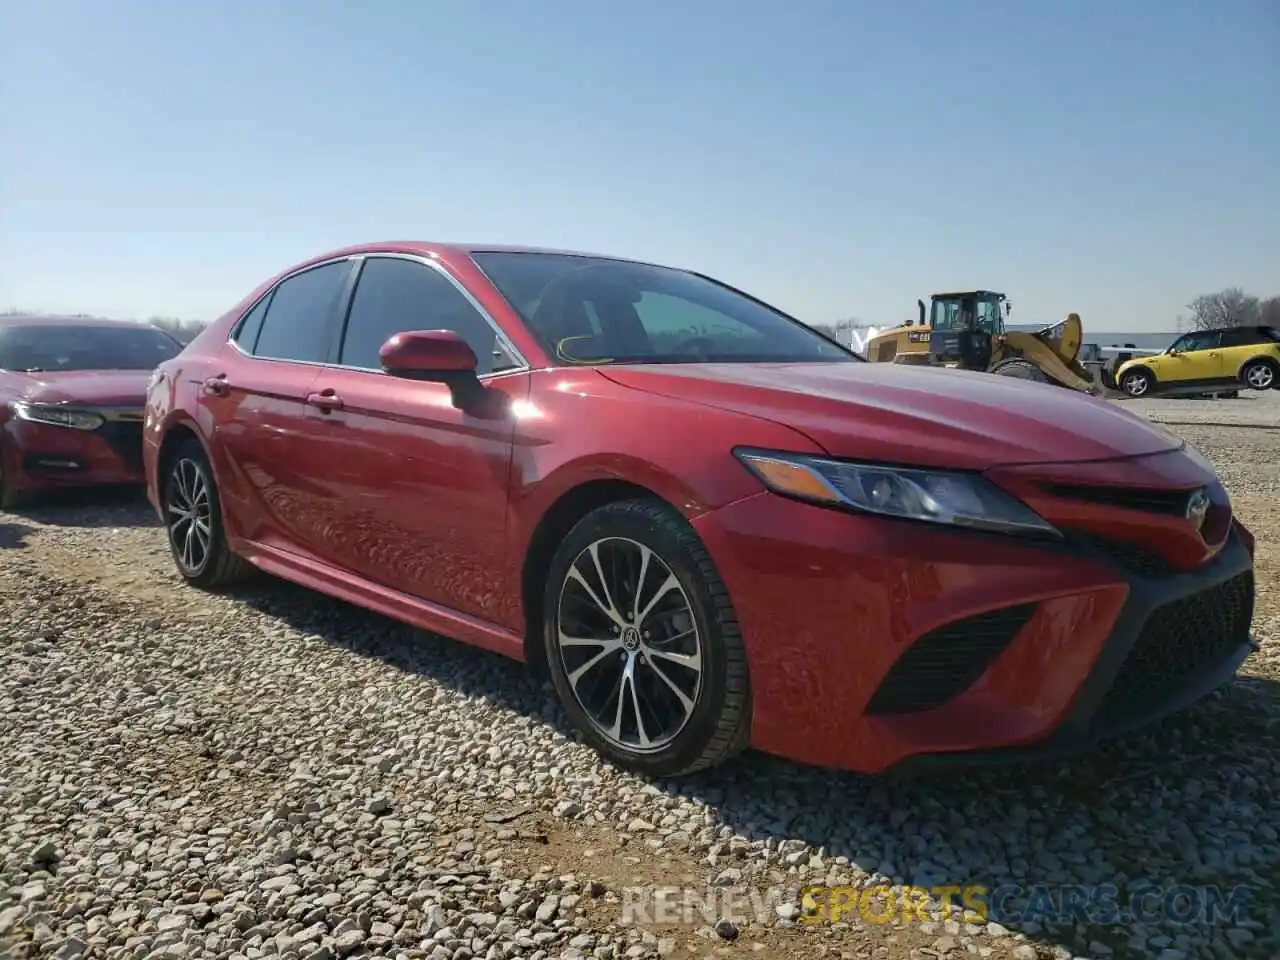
column 966, row 330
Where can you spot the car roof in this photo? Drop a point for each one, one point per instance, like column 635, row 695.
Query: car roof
column 449, row 250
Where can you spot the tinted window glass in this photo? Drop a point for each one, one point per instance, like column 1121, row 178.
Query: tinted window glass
column 395, row 295
column 1244, row 337
column 296, row 324
column 247, row 335
column 40, row 347
column 1271, row 333
column 594, row 310
column 1202, row 340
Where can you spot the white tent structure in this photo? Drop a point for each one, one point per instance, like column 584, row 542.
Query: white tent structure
column 859, row 337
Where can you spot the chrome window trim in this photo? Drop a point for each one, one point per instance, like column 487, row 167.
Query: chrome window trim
column 523, row 365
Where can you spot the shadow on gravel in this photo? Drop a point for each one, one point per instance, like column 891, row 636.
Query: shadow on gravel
column 1060, row 851
column 100, row 507
column 13, row 536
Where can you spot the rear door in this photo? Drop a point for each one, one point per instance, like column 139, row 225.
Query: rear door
column 256, row 405
column 418, row 488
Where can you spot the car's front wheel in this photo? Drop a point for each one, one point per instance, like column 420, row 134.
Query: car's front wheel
column 193, row 520
column 642, row 642
column 1136, row 383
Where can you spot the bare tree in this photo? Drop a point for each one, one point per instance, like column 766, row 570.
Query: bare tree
column 1226, row 308
column 1269, row 312
column 183, row 330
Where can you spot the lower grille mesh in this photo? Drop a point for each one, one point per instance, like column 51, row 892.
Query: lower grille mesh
column 945, row 662
column 1127, row 556
column 1179, row 640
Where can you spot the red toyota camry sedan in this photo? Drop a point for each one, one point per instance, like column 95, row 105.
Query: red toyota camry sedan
column 71, row 394
column 711, row 526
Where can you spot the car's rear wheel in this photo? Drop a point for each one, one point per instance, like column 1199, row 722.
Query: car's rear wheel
column 193, row 520
column 1136, row 383
column 642, row 642
column 1259, row 374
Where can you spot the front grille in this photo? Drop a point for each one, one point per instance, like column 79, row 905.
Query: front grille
column 1172, row 502
column 125, row 439
column 945, row 662
column 1180, row 640
column 1128, row 556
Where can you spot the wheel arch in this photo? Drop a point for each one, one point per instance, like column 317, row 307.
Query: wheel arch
column 552, row 527
column 1258, row 358
column 1137, row 368
column 175, row 435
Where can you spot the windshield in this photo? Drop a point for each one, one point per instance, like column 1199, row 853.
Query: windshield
column 958, row 313
column 39, row 347
column 592, row 310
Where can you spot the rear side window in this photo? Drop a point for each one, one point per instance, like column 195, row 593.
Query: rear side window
column 394, row 295
column 1245, row 336
column 250, row 326
column 296, row 326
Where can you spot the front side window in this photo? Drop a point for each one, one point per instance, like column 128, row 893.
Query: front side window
column 594, row 310
column 296, row 326
column 394, row 295
column 1201, row 340
column 38, row 348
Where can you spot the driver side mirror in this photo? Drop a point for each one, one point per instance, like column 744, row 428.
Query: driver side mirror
column 439, row 356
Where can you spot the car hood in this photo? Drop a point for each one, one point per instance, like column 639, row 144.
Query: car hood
column 926, row 416
column 123, row 388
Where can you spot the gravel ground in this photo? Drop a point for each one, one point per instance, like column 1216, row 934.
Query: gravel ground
column 276, row 774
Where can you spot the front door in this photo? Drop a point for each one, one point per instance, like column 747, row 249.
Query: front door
column 418, row 487
column 1193, row 357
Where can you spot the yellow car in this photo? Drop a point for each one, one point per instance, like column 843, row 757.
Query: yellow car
column 1207, row 360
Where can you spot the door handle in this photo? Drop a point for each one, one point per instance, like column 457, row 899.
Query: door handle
column 327, row 401
column 217, row 386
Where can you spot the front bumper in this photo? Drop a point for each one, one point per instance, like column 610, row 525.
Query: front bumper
column 1138, row 679
column 44, row 456
column 875, row 643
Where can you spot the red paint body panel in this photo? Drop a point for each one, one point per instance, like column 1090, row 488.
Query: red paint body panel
column 103, row 456
column 923, row 416
column 382, row 491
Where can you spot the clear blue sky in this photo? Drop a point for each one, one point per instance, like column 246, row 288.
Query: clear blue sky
column 838, row 158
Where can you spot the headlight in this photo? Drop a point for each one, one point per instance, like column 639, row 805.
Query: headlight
column 57, row 415
column 935, row 496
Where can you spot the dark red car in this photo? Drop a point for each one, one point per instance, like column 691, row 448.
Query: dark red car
column 71, row 395
column 712, row 526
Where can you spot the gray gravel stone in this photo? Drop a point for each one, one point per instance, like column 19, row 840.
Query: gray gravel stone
column 271, row 774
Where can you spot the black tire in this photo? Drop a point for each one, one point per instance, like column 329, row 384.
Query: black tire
column 1138, row 383
column 216, row 566
column 1259, row 374
column 1021, row 370
column 719, row 723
